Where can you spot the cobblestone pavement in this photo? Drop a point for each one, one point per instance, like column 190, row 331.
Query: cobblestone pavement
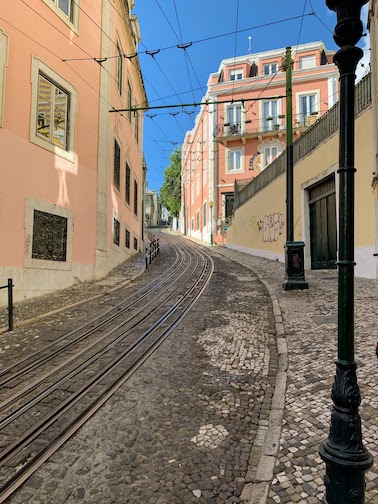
column 37, row 307
column 310, row 325
column 190, row 426
column 183, row 428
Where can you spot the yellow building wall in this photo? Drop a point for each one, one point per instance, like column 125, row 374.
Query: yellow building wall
column 259, row 225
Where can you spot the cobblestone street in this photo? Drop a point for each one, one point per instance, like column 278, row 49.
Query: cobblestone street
column 204, row 420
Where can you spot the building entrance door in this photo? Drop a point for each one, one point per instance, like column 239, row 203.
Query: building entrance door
column 323, row 227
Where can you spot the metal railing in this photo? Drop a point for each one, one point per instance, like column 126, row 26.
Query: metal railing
column 267, row 125
column 316, row 134
column 9, row 286
column 152, row 251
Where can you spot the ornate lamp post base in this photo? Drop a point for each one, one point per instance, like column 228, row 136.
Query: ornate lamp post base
column 343, row 452
column 294, row 262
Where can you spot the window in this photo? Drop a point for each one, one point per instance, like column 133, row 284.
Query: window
column 270, row 153
column 119, row 68
column 67, row 11
column 66, row 6
column 116, row 231
column 117, row 165
column 198, row 219
column 307, row 107
column 270, row 68
column 129, row 99
column 236, row 74
column 53, row 111
column 234, row 118
column 235, row 160
column 204, row 215
column 3, row 65
column 135, row 197
column 136, row 127
column 192, row 223
column 197, row 184
column 135, row 243
column 269, row 113
column 128, row 184
column 49, row 237
column 307, row 62
column 127, row 238
column 204, row 173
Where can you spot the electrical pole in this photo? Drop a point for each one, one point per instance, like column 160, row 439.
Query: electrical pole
column 294, row 256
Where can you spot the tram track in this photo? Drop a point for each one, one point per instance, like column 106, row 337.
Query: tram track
column 65, row 397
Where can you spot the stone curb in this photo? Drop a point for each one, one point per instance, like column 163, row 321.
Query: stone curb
column 265, row 449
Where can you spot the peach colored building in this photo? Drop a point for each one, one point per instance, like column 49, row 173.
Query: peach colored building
column 71, row 177
column 242, row 128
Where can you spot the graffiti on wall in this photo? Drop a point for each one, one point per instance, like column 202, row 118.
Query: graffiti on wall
column 271, row 227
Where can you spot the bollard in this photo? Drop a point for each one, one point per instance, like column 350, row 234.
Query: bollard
column 150, row 254
column 146, row 258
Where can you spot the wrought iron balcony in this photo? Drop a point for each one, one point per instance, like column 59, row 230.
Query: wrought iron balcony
column 269, row 126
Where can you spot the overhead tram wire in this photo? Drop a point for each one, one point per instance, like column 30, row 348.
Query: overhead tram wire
column 181, row 46
column 180, row 42
column 199, row 41
column 195, row 104
column 301, row 24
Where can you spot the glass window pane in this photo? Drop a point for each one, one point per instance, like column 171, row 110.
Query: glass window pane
column 64, row 5
column 44, row 107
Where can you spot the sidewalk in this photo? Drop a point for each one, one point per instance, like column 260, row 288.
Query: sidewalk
column 30, row 309
column 310, row 327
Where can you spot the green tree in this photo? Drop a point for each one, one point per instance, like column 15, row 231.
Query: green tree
column 170, row 191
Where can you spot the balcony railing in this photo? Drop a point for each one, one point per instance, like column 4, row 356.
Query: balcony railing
column 262, row 126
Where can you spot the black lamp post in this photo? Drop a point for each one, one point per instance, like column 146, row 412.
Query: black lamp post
column 343, row 452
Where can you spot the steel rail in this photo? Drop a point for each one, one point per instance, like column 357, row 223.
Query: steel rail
column 16, row 413
column 4, row 371
column 32, row 465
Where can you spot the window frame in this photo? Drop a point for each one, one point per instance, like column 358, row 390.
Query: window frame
column 298, row 102
column 114, row 235
column 204, row 172
column 233, row 74
column 129, row 100
column 127, row 184
column 38, row 67
column 231, row 109
column 120, row 68
column 117, row 188
column 72, row 23
column 127, row 238
column 269, row 66
column 231, row 152
column 269, row 125
column 136, row 198
column 3, row 67
column 198, row 222
column 308, row 57
column 204, row 214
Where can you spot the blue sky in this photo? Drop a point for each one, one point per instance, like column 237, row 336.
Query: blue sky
column 170, row 77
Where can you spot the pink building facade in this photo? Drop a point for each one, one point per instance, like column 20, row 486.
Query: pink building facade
column 72, row 176
column 242, row 129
